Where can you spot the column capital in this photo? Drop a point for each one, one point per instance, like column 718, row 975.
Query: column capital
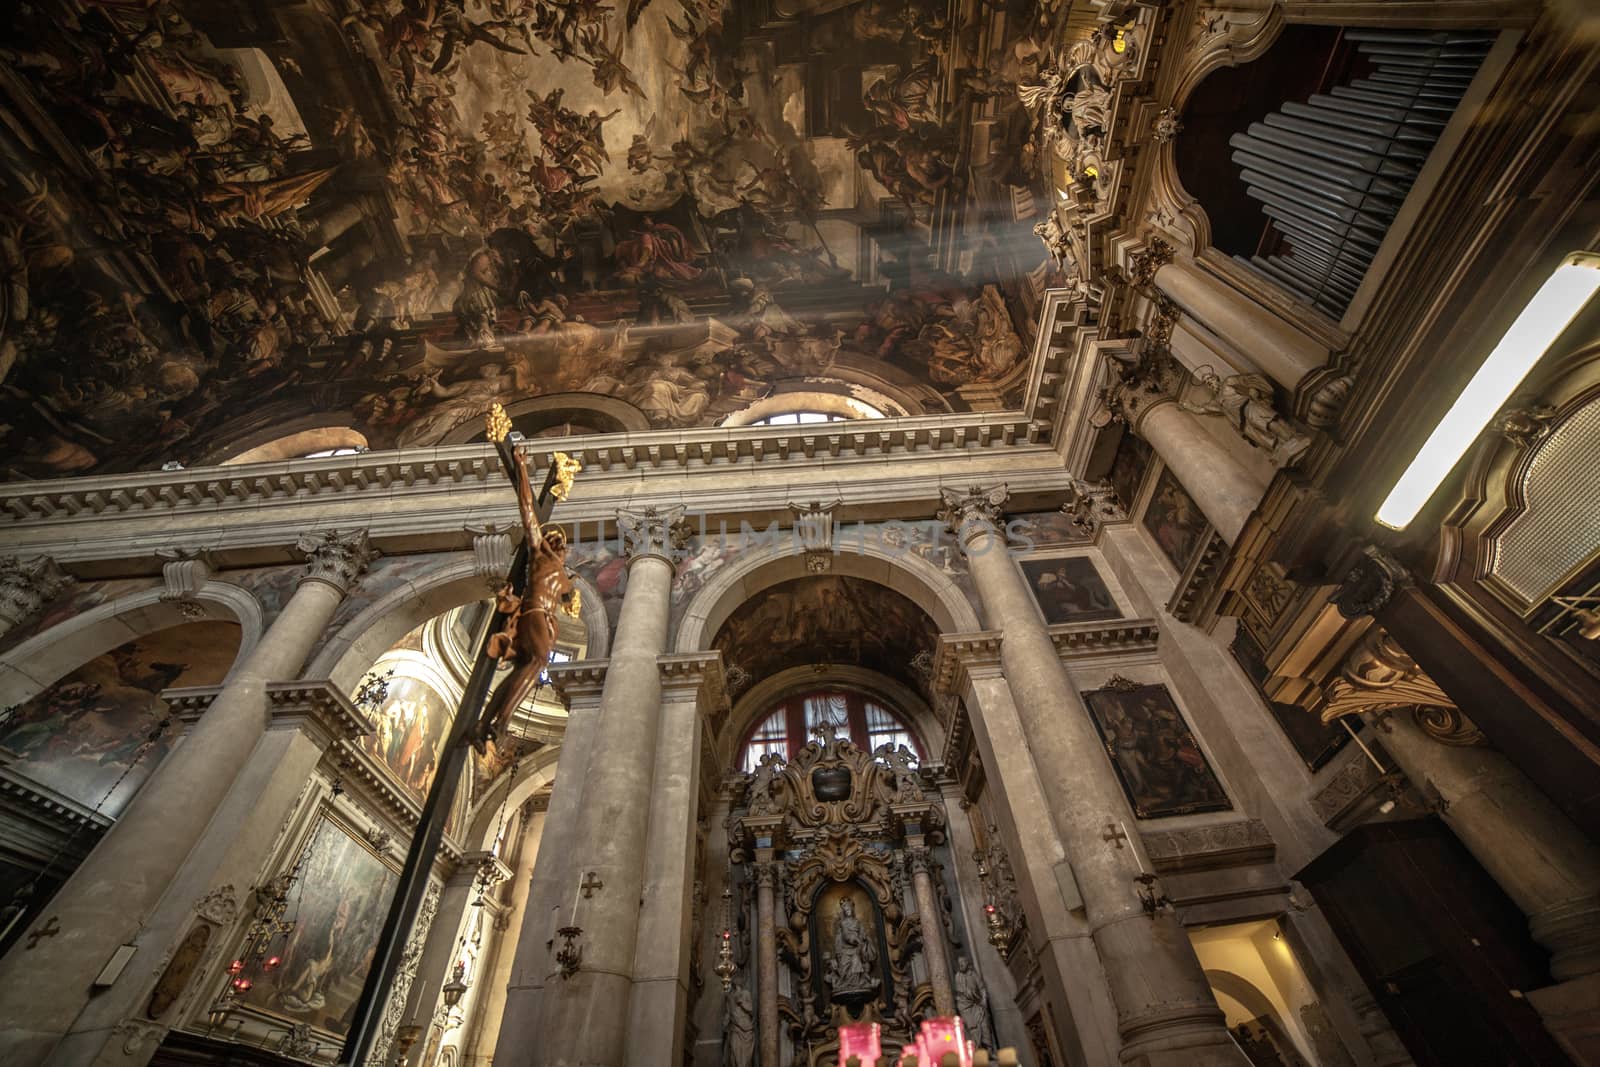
column 335, row 558
column 766, row 874
column 697, row 674
column 26, row 586
column 652, row 531
column 579, row 684
column 1092, row 504
column 1140, row 387
column 1378, row 675
column 1145, row 263
column 973, row 512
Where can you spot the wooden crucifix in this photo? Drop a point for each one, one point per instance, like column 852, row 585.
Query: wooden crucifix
column 522, row 632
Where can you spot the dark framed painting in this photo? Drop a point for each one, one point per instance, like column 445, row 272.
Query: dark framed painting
column 1157, row 759
column 1129, row 465
column 1070, row 590
column 337, row 904
column 1314, row 742
column 1175, row 521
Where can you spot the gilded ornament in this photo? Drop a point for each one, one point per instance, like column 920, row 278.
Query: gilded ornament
column 497, row 424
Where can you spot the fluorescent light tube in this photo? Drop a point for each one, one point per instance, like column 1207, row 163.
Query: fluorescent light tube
column 1545, row 318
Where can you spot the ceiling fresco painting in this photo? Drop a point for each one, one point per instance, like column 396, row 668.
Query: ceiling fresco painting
column 226, row 221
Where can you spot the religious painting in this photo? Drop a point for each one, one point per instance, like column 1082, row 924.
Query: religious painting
column 830, row 620
column 338, row 903
column 409, row 729
column 72, row 601
column 1175, row 521
column 85, row 736
column 851, row 953
column 1070, row 590
column 1158, row 761
column 1041, row 528
column 1315, row 742
column 660, row 212
column 1128, row 468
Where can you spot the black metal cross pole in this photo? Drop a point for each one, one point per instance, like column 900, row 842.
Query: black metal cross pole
column 413, row 883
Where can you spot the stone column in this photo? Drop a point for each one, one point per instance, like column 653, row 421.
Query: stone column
column 931, row 917
column 555, row 870
column 492, row 1002
column 111, row 895
column 660, row 1006
column 1226, row 491
column 1283, row 352
column 438, row 962
column 766, row 873
column 1166, row 1015
column 586, row 1015
column 26, row 586
column 1533, row 851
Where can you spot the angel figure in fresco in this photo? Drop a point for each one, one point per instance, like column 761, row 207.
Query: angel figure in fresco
column 461, row 402
column 528, row 635
column 610, row 73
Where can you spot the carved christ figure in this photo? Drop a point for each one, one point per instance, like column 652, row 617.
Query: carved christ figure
column 529, row 634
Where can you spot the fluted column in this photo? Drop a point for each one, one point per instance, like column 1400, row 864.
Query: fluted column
column 1225, row 489
column 556, row 869
column 109, row 897
column 26, row 586
column 766, row 874
column 586, row 1015
column 944, row 1001
column 1283, row 352
column 1166, row 1015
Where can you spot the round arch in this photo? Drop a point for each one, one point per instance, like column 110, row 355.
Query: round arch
column 348, row 654
column 45, row 658
column 751, row 572
column 532, row 775
column 612, row 415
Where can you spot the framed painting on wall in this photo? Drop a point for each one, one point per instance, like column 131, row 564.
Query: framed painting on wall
column 1070, row 590
column 1158, row 761
column 337, row 906
column 1174, row 520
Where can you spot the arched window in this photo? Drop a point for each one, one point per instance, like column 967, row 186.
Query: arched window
column 801, row 418
column 866, row 720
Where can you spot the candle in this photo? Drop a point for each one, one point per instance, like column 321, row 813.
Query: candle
column 1132, row 845
column 861, row 1041
column 575, row 893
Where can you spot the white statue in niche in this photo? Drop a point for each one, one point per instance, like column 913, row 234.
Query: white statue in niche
column 972, row 1004
column 738, row 1028
column 852, row 965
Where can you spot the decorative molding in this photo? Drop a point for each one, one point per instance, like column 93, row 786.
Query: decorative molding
column 1370, row 583
column 220, row 906
column 1447, row 725
column 578, row 681
column 1093, row 504
column 26, row 586
column 1198, row 848
column 1377, row 675
column 338, row 559
column 184, row 573
column 394, row 1008
column 813, row 528
column 1165, row 126
column 959, row 654
column 1197, row 583
column 491, row 554
column 1077, row 639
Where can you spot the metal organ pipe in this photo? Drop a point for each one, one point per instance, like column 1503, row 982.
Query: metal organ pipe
column 1330, row 174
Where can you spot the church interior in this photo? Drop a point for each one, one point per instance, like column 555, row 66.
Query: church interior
column 796, row 533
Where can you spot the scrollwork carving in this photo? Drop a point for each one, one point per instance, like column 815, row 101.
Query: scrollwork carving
column 1447, row 725
column 220, row 906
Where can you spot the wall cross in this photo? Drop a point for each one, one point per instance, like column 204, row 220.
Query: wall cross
column 590, row 884
column 49, row 929
column 1115, row 835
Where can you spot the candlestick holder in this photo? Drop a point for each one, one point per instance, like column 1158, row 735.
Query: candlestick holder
column 1152, row 898
column 570, row 955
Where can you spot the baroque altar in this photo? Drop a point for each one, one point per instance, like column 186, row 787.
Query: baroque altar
column 840, row 857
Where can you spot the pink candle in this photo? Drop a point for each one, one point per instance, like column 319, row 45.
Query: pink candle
column 859, row 1040
column 940, row 1036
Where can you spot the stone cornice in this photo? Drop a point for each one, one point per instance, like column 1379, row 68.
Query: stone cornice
column 959, row 654
column 580, row 681
column 316, row 707
column 1074, row 639
column 699, row 672
column 1198, row 848
column 447, row 469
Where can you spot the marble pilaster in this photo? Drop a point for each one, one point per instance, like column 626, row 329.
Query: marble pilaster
column 766, row 874
column 113, row 895
column 690, row 685
column 476, row 871
column 555, row 870
column 1166, row 1014
column 944, row 1001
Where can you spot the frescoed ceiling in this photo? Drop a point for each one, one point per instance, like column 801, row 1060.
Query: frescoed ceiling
column 229, row 221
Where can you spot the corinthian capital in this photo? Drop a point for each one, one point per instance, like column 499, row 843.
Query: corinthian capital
column 976, row 509
column 335, row 558
column 26, row 586
column 653, row 531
